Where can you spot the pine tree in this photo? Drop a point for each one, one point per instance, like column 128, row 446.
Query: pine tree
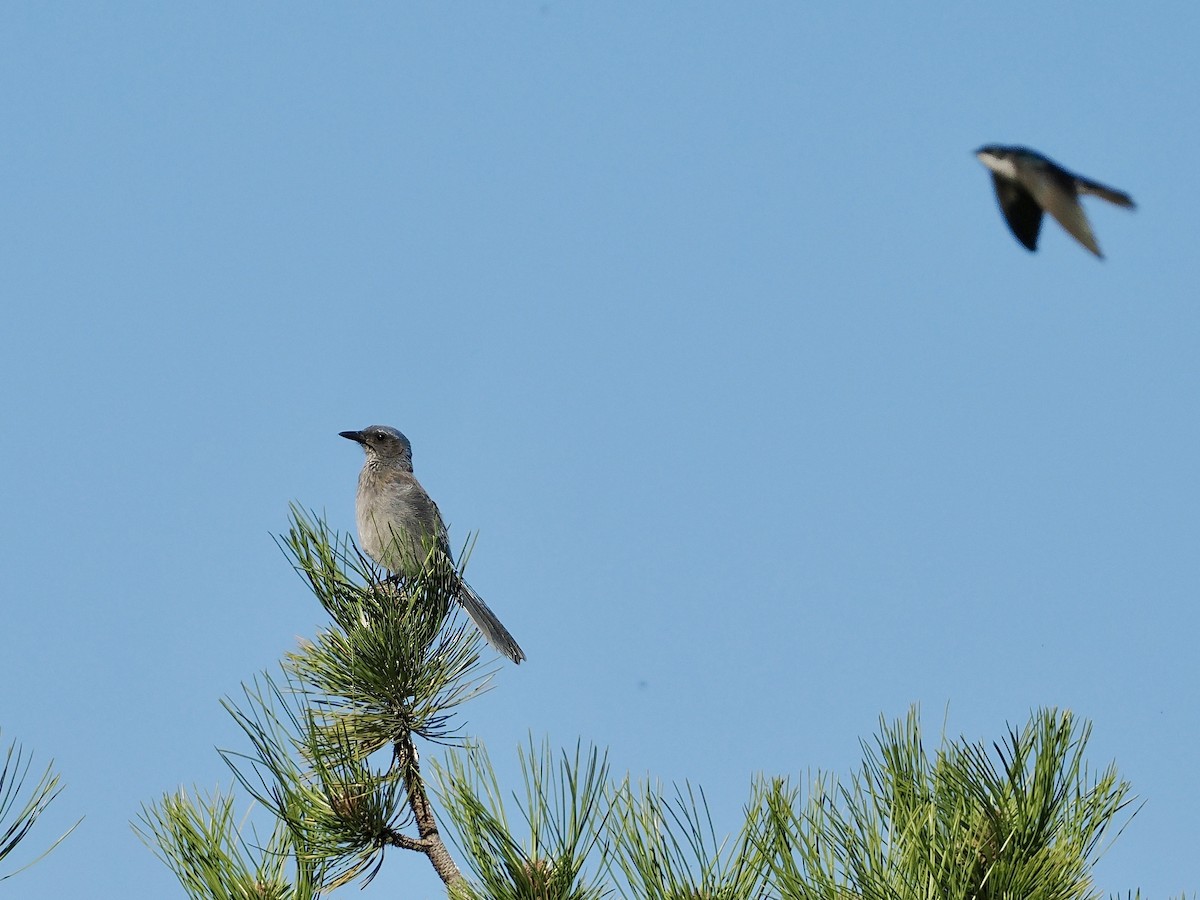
column 333, row 755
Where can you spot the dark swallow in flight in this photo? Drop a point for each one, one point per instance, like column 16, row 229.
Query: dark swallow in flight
column 1028, row 183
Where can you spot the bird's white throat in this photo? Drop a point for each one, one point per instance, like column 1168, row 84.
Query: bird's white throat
column 1001, row 165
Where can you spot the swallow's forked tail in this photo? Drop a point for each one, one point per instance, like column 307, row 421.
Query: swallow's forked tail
column 1120, row 198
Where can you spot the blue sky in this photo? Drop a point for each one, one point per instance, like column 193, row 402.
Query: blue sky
column 703, row 316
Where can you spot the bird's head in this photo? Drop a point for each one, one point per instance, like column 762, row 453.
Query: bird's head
column 1000, row 160
column 382, row 442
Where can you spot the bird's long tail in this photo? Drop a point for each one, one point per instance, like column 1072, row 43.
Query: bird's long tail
column 1120, row 198
column 487, row 623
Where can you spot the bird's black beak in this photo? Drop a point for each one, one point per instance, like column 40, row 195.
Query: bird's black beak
column 356, row 436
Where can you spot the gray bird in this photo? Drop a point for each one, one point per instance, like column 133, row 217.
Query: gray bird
column 399, row 526
column 1027, row 183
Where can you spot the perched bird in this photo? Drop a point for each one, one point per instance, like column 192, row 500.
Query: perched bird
column 1028, row 183
column 399, row 526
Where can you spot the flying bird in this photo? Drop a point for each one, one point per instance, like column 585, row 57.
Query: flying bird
column 1028, row 184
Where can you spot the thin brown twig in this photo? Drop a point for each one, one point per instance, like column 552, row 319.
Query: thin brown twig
column 430, row 841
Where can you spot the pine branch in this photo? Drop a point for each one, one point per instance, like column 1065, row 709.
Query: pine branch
column 201, row 843
column 1023, row 820
column 668, row 848
column 12, row 781
column 393, row 665
column 564, row 811
column 430, row 842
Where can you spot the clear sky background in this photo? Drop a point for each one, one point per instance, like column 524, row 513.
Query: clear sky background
column 703, row 316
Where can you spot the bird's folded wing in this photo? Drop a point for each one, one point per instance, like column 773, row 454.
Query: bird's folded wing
column 1062, row 203
column 1021, row 211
